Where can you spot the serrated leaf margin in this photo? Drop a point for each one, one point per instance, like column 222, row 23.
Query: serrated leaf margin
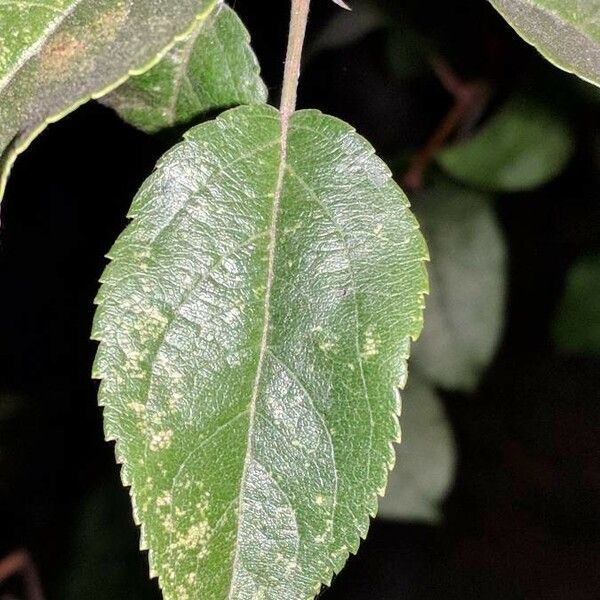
column 362, row 528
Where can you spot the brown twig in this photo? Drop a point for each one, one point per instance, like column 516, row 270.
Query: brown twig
column 469, row 100
column 19, row 562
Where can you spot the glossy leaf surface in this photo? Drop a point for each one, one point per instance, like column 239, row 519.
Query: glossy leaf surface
column 523, row 146
column 212, row 69
column 254, row 322
column 57, row 54
column 566, row 32
column 465, row 310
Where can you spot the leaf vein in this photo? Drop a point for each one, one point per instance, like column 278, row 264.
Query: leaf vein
column 321, row 418
column 284, row 124
column 312, row 194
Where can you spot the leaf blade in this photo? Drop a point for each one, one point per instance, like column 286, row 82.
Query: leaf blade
column 309, row 400
column 213, row 69
column 565, row 32
column 80, row 50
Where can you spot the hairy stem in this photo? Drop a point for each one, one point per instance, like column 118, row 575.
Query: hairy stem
column 298, row 21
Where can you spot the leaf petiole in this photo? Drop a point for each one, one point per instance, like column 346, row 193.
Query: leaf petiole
column 293, row 61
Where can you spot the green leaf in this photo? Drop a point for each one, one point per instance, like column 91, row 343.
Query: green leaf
column 465, row 310
column 524, row 145
column 566, row 32
column 214, row 68
column 254, row 322
column 577, row 325
column 425, row 460
column 57, row 54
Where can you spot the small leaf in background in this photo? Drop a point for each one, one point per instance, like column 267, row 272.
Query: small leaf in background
column 407, row 51
column 213, row 69
column 523, row 146
column 346, row 28
column 15, row 440
column 58, row 54
column 103, row 561
column 577, row 323
column 566, row 32
column 255, row 324
column 465, row 309
column 425, row 460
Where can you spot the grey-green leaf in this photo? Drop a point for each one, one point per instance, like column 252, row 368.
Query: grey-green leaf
column 566, row 32
column 255, row 322
column 57, row 54
column 524, row 146
column 576, row 327
column 212, row 69
column 425, row 460
column 465, row 310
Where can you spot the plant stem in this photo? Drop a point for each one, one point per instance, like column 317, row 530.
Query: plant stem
column 470, row 99
column 17, row 562
column 291, row 76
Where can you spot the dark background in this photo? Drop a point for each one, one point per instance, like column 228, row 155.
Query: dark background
column 522, row 519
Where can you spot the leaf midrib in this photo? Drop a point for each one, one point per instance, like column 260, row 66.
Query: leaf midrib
column 263, row 347
column 181, row 71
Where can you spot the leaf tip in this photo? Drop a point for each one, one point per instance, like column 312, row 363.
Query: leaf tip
column 342, row 4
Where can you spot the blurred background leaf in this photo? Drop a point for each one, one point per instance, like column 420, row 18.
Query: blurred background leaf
column 103, row 561
column 15, row 438
column 524, row 145
column 344, row 28
column 465, row 308
column 577, row 324
column 407, row 51
column 425, row 460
